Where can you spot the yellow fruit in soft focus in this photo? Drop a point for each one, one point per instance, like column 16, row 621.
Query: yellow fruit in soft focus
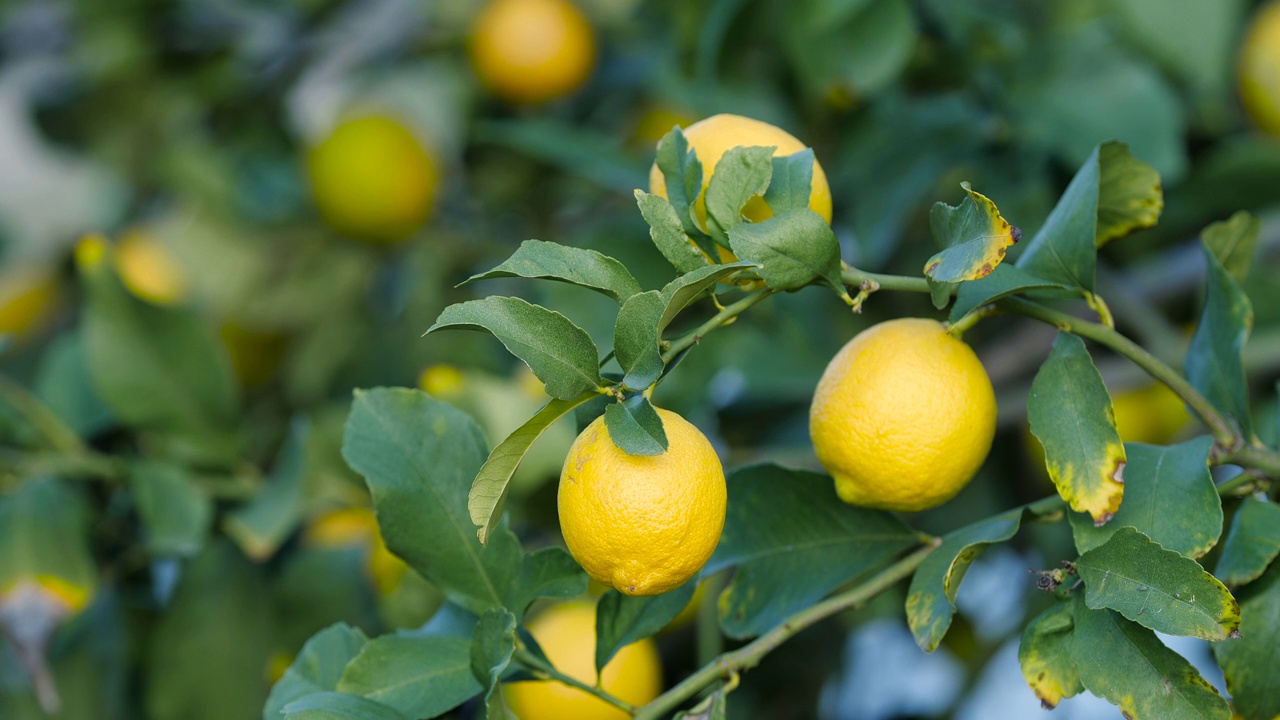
column 712, row 137
column 1153, row 414
column 567, row 634
column 346, row 527
column 531, row 51
column 373, row 180
column 903, row 416
column 149, row 269
column 642, row 524
column 28, row 295
column 443, row 381
column 656, row 122
column 1259, row 68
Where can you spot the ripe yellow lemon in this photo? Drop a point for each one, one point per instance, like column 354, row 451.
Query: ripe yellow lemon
column 710, row 138
column 531, row 51
column 567, row 634
column 903, row 416
column 642, row 524
column 28, row 295
column 373, row 180
column 149, row 269
column 1259, row 68
column 1150, row 414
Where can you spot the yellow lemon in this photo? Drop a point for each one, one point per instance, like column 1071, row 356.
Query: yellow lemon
column 373, row 180
column 1259, row 68
column 27, row 297
column 567, row 634
column 531, row 51
column 149, row 269
column 1151, row 414
column 712, row 137
column 903, row 416
column 642, row 524
column 345, row 527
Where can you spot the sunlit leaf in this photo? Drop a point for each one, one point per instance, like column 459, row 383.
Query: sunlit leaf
column 791, row 183
column 1130, row 196
column 741, row 174
column 668, row 235
column 974, row 236
column 635, row 427
column 792, row 248
column 682, row 178
column 420, row 676
column 576, row 266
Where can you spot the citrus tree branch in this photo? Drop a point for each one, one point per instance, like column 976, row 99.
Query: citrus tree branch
column 855, row 277
column 543, row 668
column 724, row 317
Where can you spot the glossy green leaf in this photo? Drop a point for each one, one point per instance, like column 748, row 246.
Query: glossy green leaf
column 1157, row 588
column 489, row 489
column 210, row 647
column 1065, row 248
column 419, row 456
column 1045, row 656
column 576, row 266
column 974, row 236
column 1130, row 196
column 1127, row 665
column 669, row 235
column 1005, row 280
column 624, row 619
column 791, row 183
column 317, row 668
column 1213, row 364
column 420, row 676
column 741, row 174
column 1070, row 414
column 492, row 646
column 932, row 595
column 560, row 353
column 263, row 524
column 793, row 541
column 1249, row 662
column 1232, row 242
column 1252, row 543
column 1168, row 495
column 339, row 706
column 682, row 172
column 549, row 572
column 176, row 513
column 634, row 426
column 792, row 248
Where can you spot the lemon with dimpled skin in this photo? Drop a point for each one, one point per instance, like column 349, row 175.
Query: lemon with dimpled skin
column 567, row 634
column 1259, row 68
column 642, row 524
column 903, row 416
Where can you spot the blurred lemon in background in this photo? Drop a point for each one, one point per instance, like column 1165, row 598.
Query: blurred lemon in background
column 567, row 634
column 346, row 527
column 28, row 295
column 1259, row 68
column 373, row 180
column 149, row 269
column 531, row 51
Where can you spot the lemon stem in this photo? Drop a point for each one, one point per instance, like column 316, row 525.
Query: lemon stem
column 853, row 276
column 543, row 668
column 724, row 317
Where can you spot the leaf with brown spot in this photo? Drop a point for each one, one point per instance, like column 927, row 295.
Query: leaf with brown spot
column 974, row 236
column 1130, row 196
column 1045, row 657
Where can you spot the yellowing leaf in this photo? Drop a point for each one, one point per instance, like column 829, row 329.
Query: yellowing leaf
column 1129, row 193
column 974, row 235
column 1045, row 656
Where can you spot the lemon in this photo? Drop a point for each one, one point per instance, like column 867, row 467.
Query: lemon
column 531, row 51
column 710, row 138
column 28, row 295
column 351, row 526
column 149, row 269
column 1259, row 68
column 567, row 634
column 642, row 524
column 1151, row 414
column 373, row 180
column 903, row 416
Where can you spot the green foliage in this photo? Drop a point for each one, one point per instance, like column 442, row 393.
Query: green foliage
column 1247, row 661
column 417, row 676
column 176, row 513
column 576, row 266
column 635, row 427
column 624, row 619
column 1044, row 654
column 1252, row 543
column 974, row 239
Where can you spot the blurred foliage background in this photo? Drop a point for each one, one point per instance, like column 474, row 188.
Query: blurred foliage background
column 281, row 196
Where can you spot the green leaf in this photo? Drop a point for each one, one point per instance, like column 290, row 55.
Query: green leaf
column 1005, row 280
column 63, row 383
column 1168, row 495
column 974, row 236
column 668, row 234
column 560, row 353
column 624, row 619
column 44, row 531
column 420, row 676
column 1045, row 656
column 932, row 595
column 175, row 512
column 713, row 708
column 1233, row 241
column 339, row 706
column 263, row 524
column 576, row 266
column 317, row 668
column 1214, row 365
column 792, row 249
column 1157, row 588
column 940, row 292
column 1195, row 41
column 1127, row 665
column 210, row 648
column 741, row 174
column 418, row 456
column 1070, row 414
column 682, row 173
column 1130, row 196
column 1249, row 662
column 1252, row 543
column 793, row 541
column 492, row 646
column 549, row 572
column 489, row 489
column 1065, row 248
column 791, row 183
column 634, row 426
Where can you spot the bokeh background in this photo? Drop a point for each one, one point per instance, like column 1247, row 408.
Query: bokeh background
column 310, row 180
